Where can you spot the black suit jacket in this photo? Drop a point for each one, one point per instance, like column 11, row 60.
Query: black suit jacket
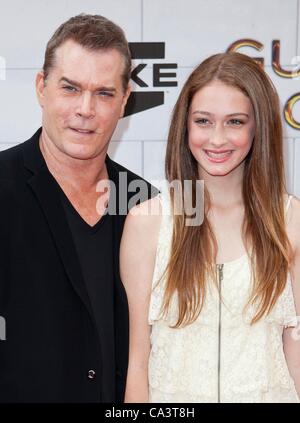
column 52, row 351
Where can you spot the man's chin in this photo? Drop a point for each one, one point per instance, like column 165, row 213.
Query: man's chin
column 80, row 152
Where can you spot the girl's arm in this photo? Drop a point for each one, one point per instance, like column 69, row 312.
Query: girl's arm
column 291, row 336
column 137, row 259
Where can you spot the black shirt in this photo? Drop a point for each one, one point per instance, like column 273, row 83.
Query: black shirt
column 94, row 245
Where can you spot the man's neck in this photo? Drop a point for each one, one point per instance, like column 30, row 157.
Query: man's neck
column 78, row 179
column 81, row 175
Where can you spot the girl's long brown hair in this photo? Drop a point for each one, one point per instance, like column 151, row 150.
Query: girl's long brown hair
column 194, row 248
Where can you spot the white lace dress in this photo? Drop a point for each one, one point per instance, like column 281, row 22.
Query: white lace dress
column 220, row 357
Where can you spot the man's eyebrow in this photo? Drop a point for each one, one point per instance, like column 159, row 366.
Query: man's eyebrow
column 69, row 81
column 77, row 84
column 202, row 112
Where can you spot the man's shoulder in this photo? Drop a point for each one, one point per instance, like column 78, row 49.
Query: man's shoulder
column 135, row 184
column 10, row 161
column 118, row 168
column 131, row 176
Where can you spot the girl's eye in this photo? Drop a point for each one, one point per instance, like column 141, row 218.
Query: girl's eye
column 236, row 122
column 202, row 121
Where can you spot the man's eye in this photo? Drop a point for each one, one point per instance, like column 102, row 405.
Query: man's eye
column 69, row 88
column 105, row 93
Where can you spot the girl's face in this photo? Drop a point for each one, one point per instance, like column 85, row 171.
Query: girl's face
column 221, row 129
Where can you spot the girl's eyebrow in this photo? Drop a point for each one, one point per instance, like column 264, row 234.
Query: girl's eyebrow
column 229, row 115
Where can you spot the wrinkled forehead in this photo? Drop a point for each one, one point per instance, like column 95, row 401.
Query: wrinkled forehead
column 76, row 60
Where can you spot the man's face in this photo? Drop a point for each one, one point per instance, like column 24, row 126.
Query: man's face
column 82, row 99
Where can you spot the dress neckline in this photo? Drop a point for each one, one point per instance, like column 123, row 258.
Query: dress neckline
column 234, row 261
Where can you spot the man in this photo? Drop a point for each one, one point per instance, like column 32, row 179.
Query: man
column 63, row 303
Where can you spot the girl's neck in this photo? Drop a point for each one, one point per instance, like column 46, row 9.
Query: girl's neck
column 224, row 191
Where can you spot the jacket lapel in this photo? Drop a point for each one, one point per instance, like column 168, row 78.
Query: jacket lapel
column 47, row 192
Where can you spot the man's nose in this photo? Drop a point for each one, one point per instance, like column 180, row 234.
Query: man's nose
column 86, row 106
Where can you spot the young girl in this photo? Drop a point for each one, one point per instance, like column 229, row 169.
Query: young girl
column 213, row 307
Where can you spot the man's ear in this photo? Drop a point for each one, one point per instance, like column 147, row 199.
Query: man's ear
column 125, row 98
column 40, row 86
